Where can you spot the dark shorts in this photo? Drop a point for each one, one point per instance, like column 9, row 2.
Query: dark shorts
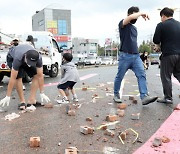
column 30, row 71
column 68, row 84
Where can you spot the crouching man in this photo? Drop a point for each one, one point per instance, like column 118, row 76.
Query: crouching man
column 26, row 59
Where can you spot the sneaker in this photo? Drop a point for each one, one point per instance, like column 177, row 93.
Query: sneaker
column 147, row 100
column 63, row 101
column 117, row 98
column 31, row 108
column 165, row 100
column 75, row 99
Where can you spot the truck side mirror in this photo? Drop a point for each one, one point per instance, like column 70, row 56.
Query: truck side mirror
column 60, row 50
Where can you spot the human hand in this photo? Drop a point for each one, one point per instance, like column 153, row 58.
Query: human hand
column 157, row 48
column 5, row 101
column 145, row 16
column 44, row 97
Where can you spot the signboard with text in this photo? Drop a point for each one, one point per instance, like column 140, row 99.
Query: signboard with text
column 62, row 38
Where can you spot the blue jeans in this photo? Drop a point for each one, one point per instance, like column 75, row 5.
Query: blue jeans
column 133, row 62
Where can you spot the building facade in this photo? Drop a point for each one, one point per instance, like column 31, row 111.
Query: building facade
column 84, row 47
column 56, row 21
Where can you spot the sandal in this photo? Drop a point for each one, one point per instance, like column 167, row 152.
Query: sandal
column 22, row 106
column 38, row 104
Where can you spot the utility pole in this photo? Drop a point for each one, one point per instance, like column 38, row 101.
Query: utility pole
column 104, row 50
column 118, row 43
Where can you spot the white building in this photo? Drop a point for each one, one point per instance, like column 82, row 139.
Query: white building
column 84, row 47
column 56, row 21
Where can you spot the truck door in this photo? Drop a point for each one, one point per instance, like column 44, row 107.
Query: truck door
column 56, row 59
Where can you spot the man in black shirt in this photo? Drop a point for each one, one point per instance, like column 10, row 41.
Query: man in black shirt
column 167, row 37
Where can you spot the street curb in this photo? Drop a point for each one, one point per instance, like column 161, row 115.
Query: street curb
column 170, row 128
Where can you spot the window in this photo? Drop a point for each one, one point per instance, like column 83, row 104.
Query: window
column 92, row 51
column 62, row 45
column 41, row 22
column 62, row 27
column 55, row 46
column 93, row 44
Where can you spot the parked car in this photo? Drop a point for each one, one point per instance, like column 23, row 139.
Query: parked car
column 92, row 61
column 79, row 62
column 98, row 61
column 107, row 61
column 115, row 62
column 154, row 58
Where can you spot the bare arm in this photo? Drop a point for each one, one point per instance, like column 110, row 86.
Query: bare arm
column 157, row 38
column 134, row 16
column 41, row 85
column 12, row 82
column 40, row 79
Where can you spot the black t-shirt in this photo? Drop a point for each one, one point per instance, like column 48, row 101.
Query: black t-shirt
column 143, row 57
column 167, row 34
column 128, row 38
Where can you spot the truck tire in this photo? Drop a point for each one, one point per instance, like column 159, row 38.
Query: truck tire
column 1, row 77
column 26, row 78
column 54, row 71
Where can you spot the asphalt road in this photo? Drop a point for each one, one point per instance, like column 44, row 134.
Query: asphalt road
column 59, row 131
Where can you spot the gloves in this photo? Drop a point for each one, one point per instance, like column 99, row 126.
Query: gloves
column 44, row 97
column 5, row 101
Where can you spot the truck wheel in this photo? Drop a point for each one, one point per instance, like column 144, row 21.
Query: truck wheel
column 54, row 70
column 1, row 77
column 26, row 78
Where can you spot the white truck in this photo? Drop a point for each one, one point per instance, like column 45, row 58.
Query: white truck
column 4, row 69
column 47, row 46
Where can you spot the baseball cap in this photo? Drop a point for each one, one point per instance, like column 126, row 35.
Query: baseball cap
column 30, row 38
column 15, row 39
column 32, row 57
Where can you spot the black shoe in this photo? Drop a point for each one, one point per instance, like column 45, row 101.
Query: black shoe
column 22, row 106
column 165, row 101
column 117, row 98
column 147, row 100
column 38, row 104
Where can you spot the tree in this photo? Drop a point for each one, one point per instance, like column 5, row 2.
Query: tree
column 101, row 51
column 146, row 46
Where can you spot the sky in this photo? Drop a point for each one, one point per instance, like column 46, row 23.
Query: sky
column 90, row 19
